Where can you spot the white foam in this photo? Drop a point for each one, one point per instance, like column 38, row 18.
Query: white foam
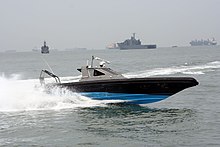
column 24, row 95
column 183, row 69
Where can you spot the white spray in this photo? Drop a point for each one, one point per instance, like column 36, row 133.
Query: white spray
column 24, row 95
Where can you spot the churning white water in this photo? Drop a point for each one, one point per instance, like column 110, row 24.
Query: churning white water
column 19, row 95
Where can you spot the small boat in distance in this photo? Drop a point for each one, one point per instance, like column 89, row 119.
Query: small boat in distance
column 102, row 83
column 45, row 48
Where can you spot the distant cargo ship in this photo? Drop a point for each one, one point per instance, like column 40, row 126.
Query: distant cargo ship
column 45, row 48
column 133, row 43
column 202, row 42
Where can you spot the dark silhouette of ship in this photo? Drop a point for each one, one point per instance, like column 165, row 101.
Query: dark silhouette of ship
column 133, row 43
column 45, row 48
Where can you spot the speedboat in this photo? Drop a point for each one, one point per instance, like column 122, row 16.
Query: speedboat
column 103, row 83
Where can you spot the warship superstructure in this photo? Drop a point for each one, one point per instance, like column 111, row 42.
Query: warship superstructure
column 45, row 48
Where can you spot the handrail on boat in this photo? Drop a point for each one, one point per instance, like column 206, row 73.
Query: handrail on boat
column 57, row 79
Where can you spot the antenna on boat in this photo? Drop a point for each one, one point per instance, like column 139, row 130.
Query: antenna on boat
column 47, row 64
column 92, row 61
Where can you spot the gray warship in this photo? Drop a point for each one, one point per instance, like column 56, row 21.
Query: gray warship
column 45, row 48
column 133, row 43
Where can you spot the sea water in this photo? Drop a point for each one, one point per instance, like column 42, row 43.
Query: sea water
column 30, row 116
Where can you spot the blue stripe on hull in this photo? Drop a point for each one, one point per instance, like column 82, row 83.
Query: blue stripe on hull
column 127, row 97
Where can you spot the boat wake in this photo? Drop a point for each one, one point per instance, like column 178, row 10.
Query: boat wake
column 25, row 95
column 184, row 69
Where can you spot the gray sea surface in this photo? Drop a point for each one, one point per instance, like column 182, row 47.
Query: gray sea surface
column 31, row 117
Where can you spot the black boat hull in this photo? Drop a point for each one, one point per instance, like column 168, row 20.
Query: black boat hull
column 134, row 90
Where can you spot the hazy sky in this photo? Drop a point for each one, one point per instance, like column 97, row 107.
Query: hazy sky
column 25, row 24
